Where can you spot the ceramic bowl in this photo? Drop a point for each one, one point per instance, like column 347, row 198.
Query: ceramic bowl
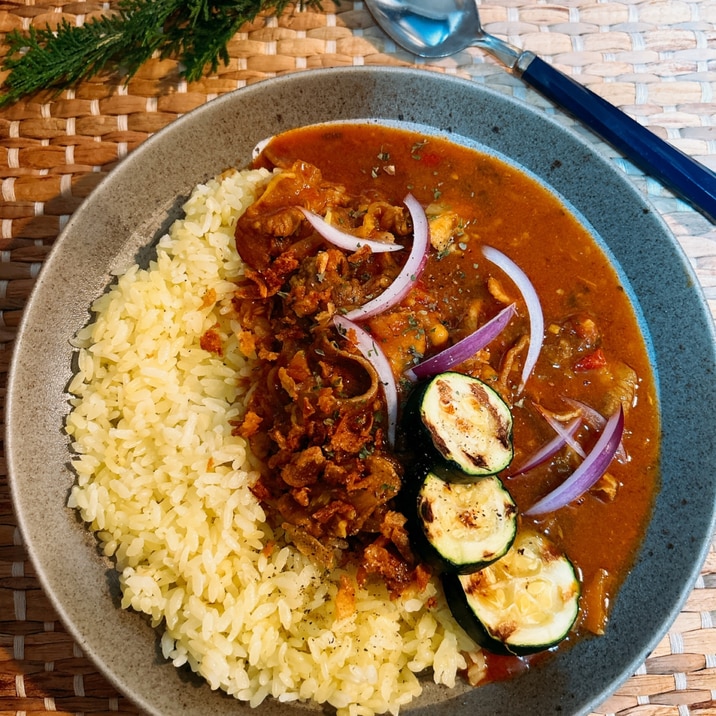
column 136, row 203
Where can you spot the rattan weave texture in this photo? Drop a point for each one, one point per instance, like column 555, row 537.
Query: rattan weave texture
column 654, row 58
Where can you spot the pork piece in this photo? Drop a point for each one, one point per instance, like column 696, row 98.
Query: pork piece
column 382, row 221
column 272, row 224
column 576, row 345
column 621, row 385
column 273, row 236
column 275, row 240
column 568, row 342
column 331, row 280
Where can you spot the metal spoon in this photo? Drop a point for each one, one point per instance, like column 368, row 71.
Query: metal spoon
column 438, row 28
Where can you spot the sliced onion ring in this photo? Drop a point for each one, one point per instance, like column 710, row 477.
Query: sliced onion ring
column 410, row 272
column 344, row 240
column 592, row 417
column 464, row 348
column 260, row 146
column 587, row 474
column 596, row 421
column 561, row 430
column 534, row 308
column 548, row 449
column 372, row 352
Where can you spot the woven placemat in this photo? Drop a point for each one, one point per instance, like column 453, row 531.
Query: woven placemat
column 654, row 59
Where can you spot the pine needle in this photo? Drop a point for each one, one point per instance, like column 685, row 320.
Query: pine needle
column 195, row 32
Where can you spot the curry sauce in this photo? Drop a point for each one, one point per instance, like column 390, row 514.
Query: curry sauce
column 303, row 421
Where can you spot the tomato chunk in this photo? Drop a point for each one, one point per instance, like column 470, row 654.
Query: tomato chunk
column 592, row 361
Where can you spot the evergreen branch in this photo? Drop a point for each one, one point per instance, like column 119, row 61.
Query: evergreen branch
column 196, row 32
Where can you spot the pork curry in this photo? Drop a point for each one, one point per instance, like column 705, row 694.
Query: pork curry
column 317, row 414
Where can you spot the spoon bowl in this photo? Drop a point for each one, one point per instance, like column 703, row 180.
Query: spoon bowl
column 430, row 29
column 438, row 28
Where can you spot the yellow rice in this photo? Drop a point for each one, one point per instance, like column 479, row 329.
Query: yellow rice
column 165, row 486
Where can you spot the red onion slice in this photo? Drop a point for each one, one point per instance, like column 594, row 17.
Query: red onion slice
column 548, row 449
column 587, row 474
column 593, row 418
column 372, row 352
column 344, row 240
column 534, row 308
column 561, row 431
column 596, row 421
column 464, row 348
column 409, row 274
column 260, row 146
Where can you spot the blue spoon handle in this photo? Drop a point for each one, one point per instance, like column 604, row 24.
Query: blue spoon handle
column 690, row 180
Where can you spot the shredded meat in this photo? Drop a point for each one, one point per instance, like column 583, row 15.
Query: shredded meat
column 211, row 341
column 275, row 240
column 345, row 599
column 316, row 415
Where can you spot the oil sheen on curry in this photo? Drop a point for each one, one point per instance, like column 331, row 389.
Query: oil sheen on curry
column 452, row 381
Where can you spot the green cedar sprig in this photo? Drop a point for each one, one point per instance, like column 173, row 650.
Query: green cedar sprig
column 196, row 32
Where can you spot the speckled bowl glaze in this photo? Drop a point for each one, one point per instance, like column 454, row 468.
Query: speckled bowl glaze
column 133, row 206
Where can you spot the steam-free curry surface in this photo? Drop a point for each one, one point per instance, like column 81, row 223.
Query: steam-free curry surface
column 593, row 349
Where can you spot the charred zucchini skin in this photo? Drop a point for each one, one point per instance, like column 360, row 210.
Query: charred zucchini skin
column 466, row 618
column 471, row 622
column 407, row 503
column 418, row 515
column 421, row 430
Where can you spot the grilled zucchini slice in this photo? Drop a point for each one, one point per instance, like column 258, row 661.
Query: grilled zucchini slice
column 464, row 421
column 523, row 603
column 463, row 526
